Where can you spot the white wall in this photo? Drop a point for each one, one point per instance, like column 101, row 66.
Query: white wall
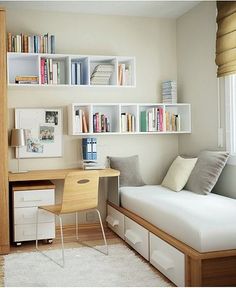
column 196, row 38
column 151, row 41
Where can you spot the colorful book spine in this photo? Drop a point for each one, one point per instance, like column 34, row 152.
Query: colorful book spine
column 143, row 121
column 31, row 44
column 94, row 148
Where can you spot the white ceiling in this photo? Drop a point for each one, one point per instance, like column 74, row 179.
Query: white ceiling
column 160, row 9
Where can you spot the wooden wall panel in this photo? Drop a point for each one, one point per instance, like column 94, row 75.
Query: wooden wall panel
column 4, row 206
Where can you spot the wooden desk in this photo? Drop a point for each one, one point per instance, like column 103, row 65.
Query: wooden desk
column 55, row 174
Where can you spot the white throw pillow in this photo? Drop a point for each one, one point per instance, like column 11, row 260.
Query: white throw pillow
column 178, row 173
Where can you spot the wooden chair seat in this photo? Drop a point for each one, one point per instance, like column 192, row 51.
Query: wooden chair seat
column 55, row 209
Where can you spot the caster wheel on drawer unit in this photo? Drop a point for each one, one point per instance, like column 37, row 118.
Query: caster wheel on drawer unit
column 18, row 244
column 47, row 241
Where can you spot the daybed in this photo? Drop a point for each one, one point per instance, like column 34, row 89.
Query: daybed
column 190, row 238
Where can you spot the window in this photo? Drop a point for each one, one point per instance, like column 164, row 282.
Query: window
column 230, row 113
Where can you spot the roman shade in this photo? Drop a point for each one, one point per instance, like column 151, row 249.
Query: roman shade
column 226, row 38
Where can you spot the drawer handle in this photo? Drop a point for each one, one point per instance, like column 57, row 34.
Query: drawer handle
column 31, row 234
column 159, row 258
column 113, row 222
column 28, row 199
column 25, row 216
column 132, row 237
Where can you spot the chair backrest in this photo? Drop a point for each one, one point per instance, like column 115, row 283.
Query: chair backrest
column 80, row 191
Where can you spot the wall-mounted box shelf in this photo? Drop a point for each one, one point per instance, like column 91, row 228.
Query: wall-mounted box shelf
column 71, row 70
column 129, row 118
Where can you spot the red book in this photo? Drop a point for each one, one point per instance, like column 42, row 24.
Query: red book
column 42, row 71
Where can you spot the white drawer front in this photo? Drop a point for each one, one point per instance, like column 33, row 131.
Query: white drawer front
column 33, row 198
column 28, row 216
column 116, row 221
column 137, row 237
column 27, row 232
column 167, row 259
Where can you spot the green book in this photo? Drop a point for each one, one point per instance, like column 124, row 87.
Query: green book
column 143, row 121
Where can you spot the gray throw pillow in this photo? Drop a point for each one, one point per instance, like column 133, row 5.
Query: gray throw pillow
column 206, row 171
column 129, row 170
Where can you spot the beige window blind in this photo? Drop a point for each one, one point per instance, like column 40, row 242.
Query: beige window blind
column 226, row 38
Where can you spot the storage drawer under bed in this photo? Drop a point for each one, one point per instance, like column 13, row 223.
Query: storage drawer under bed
column 168, row 260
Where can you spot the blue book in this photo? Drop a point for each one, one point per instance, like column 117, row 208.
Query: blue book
column 87, row 148
column 94, row 148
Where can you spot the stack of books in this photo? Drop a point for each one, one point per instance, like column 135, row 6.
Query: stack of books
column 31, row 44
column 89, row 147
column 127, row 122
column 101, row 74
column 169, row 91
column 101, row 123
column 27, row 79
column 50, row 71
column 124, row 75
column 81, row 125
column 172, row 122
column 152, row 120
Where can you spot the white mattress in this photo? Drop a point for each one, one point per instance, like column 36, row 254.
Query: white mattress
column 204, row 222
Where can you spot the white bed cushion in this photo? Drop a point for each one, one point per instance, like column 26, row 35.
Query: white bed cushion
column 204, row 222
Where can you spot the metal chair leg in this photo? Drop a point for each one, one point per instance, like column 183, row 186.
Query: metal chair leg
column 62, row 243
column 37, row 215
column 103, row 233
column 76, row 225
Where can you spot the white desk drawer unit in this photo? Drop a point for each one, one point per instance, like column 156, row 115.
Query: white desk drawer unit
column 27, row 232
column 137, row 237
column 116, row 221
column 167, row 259
column 26, row 198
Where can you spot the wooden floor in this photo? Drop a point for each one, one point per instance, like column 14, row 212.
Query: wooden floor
column 90, row 235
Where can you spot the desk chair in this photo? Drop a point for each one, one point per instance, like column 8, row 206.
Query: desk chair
column 80, row 194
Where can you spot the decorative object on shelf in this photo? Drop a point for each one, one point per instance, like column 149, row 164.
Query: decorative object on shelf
column 169, row 91
column 18, row 139
column 101, row 74
column 68, row 70
column 44, row 132
column 31, row 44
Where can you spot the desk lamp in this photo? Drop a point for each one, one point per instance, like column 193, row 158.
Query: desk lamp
column 18, row 139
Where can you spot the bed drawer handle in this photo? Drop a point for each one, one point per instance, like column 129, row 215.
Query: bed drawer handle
column 159, row 258
column 132, row 237
column 113, row 222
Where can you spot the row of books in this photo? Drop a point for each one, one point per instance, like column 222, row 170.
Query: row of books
column 50, row 71
column 169, row 91
column 101, row 123
column 127, row 122
column 89, row 147
column 101, row 74
column 152, row 120
column 26, row 79
column 31, row 44
column 172, row 122
column 76, row 75
column 81, row 125
column 124, row 75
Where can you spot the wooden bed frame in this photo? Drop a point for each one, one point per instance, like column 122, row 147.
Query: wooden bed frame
column 201, row 269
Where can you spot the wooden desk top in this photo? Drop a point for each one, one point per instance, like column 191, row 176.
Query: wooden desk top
column 55, row 174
